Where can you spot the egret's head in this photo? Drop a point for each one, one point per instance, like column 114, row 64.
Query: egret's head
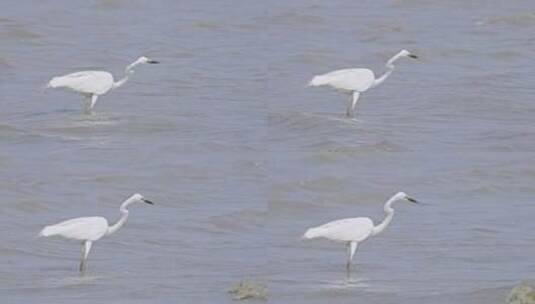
column 144, row 59
column 404, row 196
column 130, row 68
column 139, row 198
column 406, row 53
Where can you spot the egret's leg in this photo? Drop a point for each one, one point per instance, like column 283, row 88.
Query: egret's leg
column 351, row 248
column 82, row 260
column 91, row 100
column 352, row 103
column 86, row 247
column 94, row 98
column 348, row 263
column 87, row 103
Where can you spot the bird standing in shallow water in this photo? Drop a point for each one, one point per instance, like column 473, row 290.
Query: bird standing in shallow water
column 90, row 229
column 356, row 81
column 92, row 84
column 352, row 231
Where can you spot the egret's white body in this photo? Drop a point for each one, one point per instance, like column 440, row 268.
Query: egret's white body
column 83, row 228
column 356, row 81
column 92, row 84
column 352, row 231
column 90, row 229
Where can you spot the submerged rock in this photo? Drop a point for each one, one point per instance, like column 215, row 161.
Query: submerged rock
column 248, row 289
column 522, row 294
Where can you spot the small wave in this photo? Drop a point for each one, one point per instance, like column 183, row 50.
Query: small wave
column 4, row 63
column 205, row 24
column 111, row 5
column 68, row 128
column 4, row 128
column 522, row 19
column 298, row 20
column 72, row 281
column 13, row 29
column 350, row 283
column 237, row 221
column 317, row 124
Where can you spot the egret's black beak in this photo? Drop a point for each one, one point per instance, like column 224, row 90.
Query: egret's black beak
column 413, row 56
column 412, row 200
column 147, row 201
column 153, row 61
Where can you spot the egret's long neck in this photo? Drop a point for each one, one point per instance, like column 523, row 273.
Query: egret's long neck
column 390, row 68
column 120, row 83
column 389, row 215
column 127, row 72
column 124, row 216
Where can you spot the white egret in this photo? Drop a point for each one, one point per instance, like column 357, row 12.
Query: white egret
column 90, row 229
column 356, row 81
column 352, row 231
column 92, row 84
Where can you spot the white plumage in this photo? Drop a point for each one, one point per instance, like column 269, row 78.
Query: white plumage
column 92, row 84
column 345, row 230
column 356, row 81
column 352, row 231
column 82, row 228
column 346, row 80
column 90, row 229
column 85, row 82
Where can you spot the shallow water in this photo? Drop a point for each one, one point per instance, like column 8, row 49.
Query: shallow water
column 241, row 156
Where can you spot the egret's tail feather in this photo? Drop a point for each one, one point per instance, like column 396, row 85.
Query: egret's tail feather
column 310, row 234
column 318, row 81
column 55, row 82
column 48, row 231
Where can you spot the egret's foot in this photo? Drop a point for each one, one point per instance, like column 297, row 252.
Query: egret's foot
column 82, row 268
column 350, row 114
column 348, row 271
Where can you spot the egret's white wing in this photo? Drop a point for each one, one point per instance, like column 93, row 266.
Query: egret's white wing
column 347, row 79
column 350, row 229
column 82, row 228
column 85, row 82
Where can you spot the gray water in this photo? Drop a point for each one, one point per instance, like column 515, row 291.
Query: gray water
column 240, row 156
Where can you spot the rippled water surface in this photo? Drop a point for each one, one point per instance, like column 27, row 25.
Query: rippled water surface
column 240, row 156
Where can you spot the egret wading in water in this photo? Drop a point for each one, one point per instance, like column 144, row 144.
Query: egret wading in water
column 356, row 81
column 90, row 229
column 352, row 231
column 92, row 84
